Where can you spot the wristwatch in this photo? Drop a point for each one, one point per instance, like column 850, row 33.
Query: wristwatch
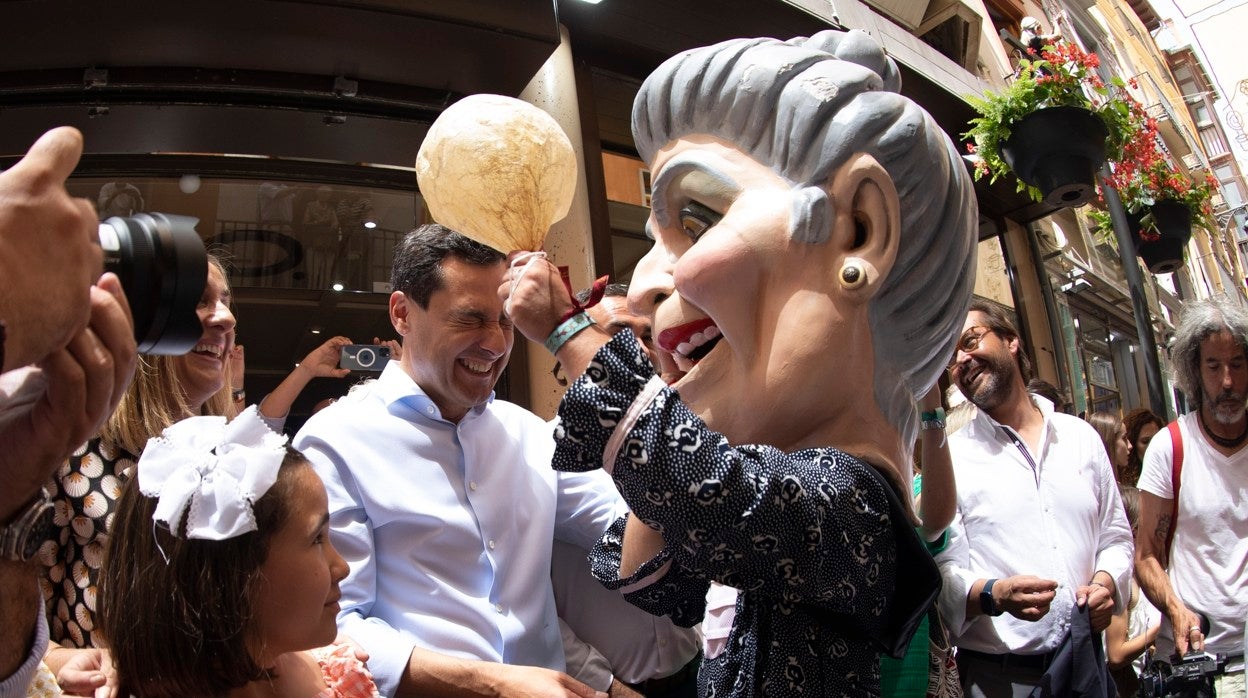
column 21, row 538
column 987, row 604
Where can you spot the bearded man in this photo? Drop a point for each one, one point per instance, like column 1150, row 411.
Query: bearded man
column 1040, row 530
column 1193, row 541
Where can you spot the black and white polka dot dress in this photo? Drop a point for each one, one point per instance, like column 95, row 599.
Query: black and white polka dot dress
column 806, row 537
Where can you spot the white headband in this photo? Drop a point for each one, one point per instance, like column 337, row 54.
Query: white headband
column 216, row 469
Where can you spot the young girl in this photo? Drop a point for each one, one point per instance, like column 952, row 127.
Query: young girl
column 220, row 572
column 1133, row 629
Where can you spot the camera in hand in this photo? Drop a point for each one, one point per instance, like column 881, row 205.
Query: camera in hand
column 163, row 268
column 1189, row 676
column 364, row 357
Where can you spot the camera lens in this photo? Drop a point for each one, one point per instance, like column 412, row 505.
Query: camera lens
column 366, row 358
column 163, row 268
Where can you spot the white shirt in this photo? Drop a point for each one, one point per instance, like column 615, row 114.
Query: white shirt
column 1062, row 520
column 447, row 527
column 1209, row 558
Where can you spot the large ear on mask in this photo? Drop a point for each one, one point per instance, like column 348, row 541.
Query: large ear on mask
column 866, row 228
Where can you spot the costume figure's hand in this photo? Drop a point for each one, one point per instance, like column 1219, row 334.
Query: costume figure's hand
column 63, row 402
column 1025, row 596
column 322, row 362
column 49, row 255
column 534, row 295
column 1100, row 603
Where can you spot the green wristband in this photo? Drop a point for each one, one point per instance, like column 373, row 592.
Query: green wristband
column 567, row 330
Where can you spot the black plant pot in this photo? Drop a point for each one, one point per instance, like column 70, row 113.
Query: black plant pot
column 1058, row 150
column 1174, row 225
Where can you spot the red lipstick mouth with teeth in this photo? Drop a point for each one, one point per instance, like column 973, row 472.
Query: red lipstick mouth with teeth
column 690, row 343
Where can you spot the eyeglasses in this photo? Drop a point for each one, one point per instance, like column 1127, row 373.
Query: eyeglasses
column 968, row 342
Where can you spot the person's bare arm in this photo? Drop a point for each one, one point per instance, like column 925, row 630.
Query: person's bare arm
column 535, row 305
column 938, row 501
column 433, row 675
column 1121, row 650
column 321, row 362
column 1151, row 562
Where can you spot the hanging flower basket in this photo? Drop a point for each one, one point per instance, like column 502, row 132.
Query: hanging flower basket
column 1052, row 126
column 1161, row 235
column 1058, row 150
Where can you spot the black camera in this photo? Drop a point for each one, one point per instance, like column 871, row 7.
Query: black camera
column 364, row 357
column 163, row 268
column 1189, row 676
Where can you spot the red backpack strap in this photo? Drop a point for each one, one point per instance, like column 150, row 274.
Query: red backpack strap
column 1176, row 468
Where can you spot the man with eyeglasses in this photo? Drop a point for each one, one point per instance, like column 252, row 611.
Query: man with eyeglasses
column 1040, row 531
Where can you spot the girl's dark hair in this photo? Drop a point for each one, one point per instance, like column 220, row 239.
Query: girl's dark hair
column 1134, row 423
column 175, row 612
column 1130, row 503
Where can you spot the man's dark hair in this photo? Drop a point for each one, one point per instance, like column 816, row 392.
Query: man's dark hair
column 996, row 320
column 611, row 291
column 418, row 257
column 176, row 611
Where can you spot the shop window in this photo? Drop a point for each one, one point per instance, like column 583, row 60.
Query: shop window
column 276, row 234
column 1006, row 15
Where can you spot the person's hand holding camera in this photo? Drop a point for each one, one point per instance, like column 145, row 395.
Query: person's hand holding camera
column 322, row 362
column 1186, row 626
column 58, row 406
column 49, row 256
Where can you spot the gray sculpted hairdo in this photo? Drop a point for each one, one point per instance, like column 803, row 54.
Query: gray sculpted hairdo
column 803, row 107
column 1200, row 320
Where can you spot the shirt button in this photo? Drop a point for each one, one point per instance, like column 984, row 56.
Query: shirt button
column 662, row 643
column 498, row 607
column 491, row 545
column 472, row 485
column 430, row 409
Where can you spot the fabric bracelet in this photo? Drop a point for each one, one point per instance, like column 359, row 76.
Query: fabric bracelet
column 567, row 330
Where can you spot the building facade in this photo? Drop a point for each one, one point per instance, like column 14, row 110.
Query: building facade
column 290, row 129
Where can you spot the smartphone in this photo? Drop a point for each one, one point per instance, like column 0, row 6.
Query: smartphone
column 364, row 357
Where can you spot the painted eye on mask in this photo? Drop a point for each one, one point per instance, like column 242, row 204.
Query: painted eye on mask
column 696, row 219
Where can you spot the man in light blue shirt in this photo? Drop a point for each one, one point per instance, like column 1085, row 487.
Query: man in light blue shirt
column 442, row 499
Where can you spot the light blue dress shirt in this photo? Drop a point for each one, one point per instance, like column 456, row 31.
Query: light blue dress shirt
column 447, row 527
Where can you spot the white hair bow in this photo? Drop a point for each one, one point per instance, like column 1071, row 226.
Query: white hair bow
column 216, row 469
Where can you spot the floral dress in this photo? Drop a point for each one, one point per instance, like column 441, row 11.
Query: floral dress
column 85, row 492
column 809, row 538
column 345, row 676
